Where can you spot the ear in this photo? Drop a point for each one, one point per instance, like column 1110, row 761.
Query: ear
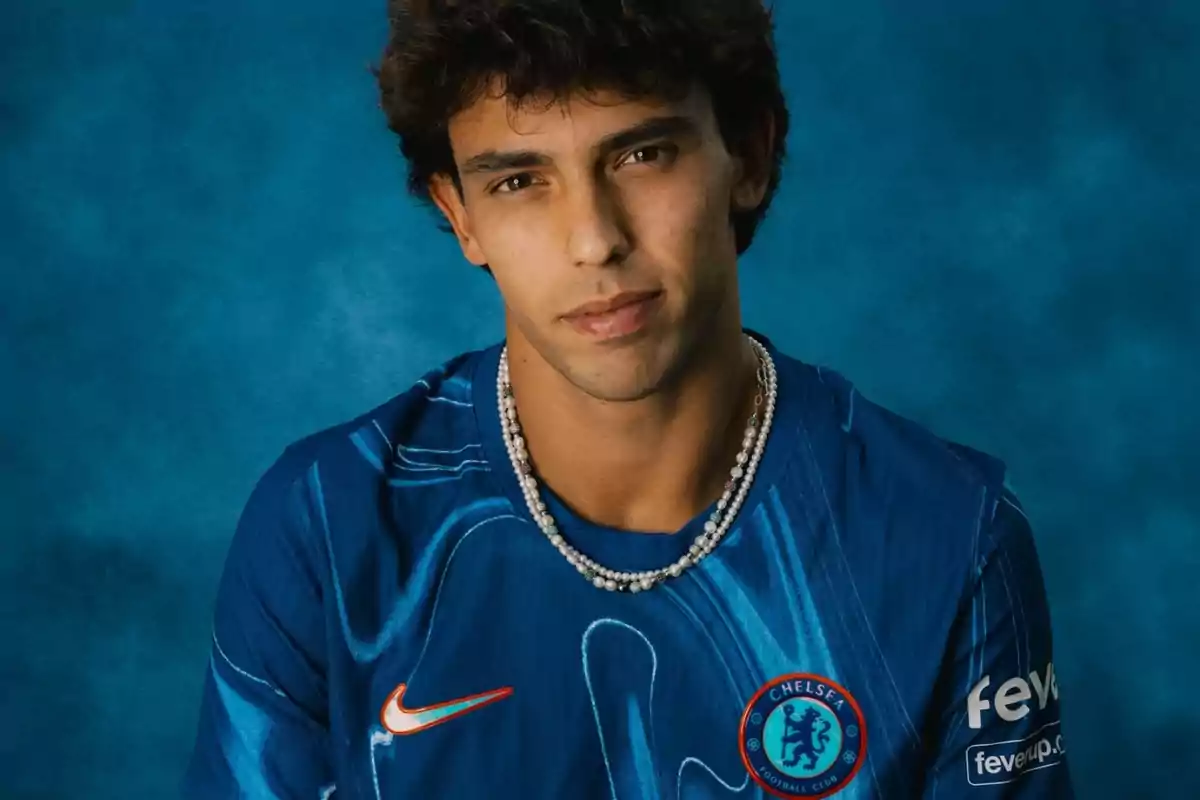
column 753, row 165
column 446, row 196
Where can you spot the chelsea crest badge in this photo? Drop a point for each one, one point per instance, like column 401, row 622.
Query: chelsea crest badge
column 802, row 737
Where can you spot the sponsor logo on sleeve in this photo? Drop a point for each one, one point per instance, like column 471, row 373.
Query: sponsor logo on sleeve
column 1004, row 762
column 1013, row 699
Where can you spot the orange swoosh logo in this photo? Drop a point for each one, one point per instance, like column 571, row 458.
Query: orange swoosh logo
column 403, row 721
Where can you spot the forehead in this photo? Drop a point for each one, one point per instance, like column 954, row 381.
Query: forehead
column 495, row 122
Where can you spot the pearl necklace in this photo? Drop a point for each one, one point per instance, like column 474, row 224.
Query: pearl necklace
column 736, row 487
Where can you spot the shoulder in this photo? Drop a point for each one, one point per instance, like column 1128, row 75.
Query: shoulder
column 437, row 404
column 434, row 415
column 841, row 418
column 909, row 518
column 889, row 468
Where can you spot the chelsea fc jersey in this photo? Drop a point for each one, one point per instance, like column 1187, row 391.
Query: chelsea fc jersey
column 391, row 623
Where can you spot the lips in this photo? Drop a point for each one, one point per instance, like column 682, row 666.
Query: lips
column 614, row 317
column 610, row 304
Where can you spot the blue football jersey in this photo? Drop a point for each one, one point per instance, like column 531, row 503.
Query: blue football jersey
column 391, row 623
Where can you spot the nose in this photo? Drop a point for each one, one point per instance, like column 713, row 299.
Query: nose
column 597, row 232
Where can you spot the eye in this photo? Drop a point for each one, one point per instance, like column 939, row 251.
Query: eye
column 513, row 183
column 652, row 154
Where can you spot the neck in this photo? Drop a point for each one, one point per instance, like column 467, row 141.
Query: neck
column 649, row 465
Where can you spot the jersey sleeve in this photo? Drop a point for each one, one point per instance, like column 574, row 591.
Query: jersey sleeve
column 997, row 731
column 263, row 724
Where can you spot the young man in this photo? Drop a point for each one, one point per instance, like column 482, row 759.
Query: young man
column 634, row 551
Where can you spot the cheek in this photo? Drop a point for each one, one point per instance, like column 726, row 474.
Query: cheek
column 681, row 229
column 504, row 233
column 521, row 255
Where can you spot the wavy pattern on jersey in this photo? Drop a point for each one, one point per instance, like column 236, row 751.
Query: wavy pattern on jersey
column 379, row 737
column 844, row 591
column 399, row 622
column 623, row 707
column 411, row 465
column 622, row 701
column 243, row 739
column 762, row 560
column 750, row 647
column 444, row 406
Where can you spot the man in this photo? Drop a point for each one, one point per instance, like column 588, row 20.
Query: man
column 634, row 551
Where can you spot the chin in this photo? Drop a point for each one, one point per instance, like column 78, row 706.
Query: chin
column 616, row 391
column 622, row 375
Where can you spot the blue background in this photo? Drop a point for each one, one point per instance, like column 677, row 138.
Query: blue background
column 989, row 222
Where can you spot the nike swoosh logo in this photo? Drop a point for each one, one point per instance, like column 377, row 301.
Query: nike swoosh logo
column 403, row 721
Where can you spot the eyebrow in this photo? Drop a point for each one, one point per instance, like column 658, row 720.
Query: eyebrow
column 653, row 128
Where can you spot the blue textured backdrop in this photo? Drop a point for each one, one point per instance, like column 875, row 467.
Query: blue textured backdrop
column 989, row 222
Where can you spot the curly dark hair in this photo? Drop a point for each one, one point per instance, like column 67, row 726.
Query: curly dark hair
column 441, row 54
